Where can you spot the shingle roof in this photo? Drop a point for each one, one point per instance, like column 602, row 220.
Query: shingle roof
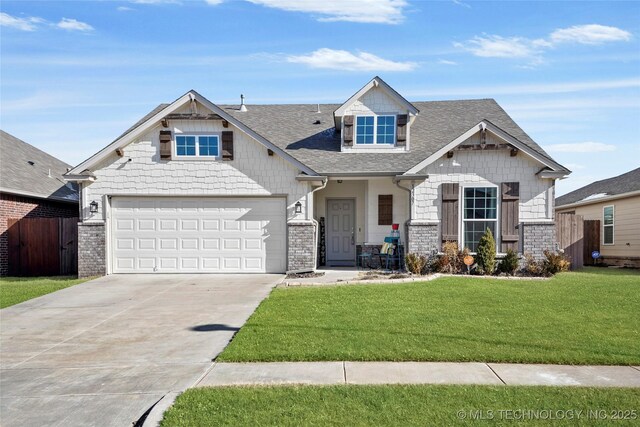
column 292, row 127
column 620, row 184
column 18, row 176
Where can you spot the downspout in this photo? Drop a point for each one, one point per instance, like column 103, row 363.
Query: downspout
column 410, row 191
column 325, row 181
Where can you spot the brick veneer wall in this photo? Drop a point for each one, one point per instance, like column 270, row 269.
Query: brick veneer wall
column 538, row 237
column 301, row 238
column 422, row 238
column 13, row 206
column 91, row 250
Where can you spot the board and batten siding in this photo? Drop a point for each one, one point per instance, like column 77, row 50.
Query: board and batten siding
column 251, row 173
column 626, row 231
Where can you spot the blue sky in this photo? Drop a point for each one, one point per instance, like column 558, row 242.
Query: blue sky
column 75, row 74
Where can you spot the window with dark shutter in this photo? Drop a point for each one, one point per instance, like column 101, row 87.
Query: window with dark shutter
column 165, row 144
column 509, row 218
column 347, row 130
column 227, row 145
column 385, row 209
column 401, row 130
column 449, row 222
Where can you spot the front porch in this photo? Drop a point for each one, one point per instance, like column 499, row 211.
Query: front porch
column 355, row 215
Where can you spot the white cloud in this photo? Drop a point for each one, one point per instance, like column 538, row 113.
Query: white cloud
column 73, row 25
column 446, row 62
column 369, row 11
column 156, row 1
column 347, row 61
column 495, row 46
column 29, row 23
column 581, row 147
column 461, row 3
column 492, row 46
column 589, row 34
column 124, row 9
column 214, row 2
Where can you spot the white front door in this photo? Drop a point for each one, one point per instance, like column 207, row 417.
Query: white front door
column 340, row 234
column 198, row 235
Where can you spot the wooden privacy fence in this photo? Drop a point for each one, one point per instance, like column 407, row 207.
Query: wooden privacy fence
column 578, row 238
column 43, row 246
column 570, row 236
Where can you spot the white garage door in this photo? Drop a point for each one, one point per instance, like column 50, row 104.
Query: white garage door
column 198, row 235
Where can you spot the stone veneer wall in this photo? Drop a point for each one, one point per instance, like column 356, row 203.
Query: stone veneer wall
column 422, row 238
column 538, row 237
column 91, row 250
column 301, row 238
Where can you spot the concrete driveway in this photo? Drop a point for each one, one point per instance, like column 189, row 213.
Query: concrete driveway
column 103, row 352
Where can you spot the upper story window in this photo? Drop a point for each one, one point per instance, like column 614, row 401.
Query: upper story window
column 375, row 130
column 480, row 212
column 197, row 146
column 608, row 225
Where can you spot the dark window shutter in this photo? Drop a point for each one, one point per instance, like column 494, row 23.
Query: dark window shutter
column 401, row 130
column 347, row 130
column 449, row 221
column 509, row 216
column 227, row 145
column 165, row 144
column 385, row 209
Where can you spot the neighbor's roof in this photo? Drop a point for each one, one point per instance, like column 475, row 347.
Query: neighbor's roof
column 292, row 127
column 625, row 183
column 18, row 176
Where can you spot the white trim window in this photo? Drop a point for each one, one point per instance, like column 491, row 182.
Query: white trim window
column 608, row 224
column 197, row 146
column 376, row 130
column 479, row 212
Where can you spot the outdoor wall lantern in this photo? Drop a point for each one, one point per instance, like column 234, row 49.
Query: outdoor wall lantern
column 298, row 206
column 93, row 207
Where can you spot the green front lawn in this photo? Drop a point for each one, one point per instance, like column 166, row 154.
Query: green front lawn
column 588, row 317
column 14, row 290
column 403, row 406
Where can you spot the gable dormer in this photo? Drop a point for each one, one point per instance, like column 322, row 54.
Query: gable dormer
column 375, row 118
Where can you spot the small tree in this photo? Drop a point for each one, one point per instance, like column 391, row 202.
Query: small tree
column 486, row 256
column 510, row 262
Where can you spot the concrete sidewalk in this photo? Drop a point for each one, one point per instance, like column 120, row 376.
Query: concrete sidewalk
column 331, row 373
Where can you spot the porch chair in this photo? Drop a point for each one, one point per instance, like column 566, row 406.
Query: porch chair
column 391, row 252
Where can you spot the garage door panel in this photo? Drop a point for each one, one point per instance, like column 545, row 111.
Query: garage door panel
column 169, row 235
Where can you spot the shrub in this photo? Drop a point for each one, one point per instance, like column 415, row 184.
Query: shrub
column 555, row 262
column 510, row 262
column 531, row 266
column 486, row 255
column 450, row 261
column 416, row 264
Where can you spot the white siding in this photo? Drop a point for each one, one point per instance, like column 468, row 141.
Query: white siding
column 252, row 172
column 376, row 233
column 375, row 101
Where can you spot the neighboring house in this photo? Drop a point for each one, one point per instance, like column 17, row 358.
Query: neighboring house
column 31, row 186
column 199, row 187
column 615, row 202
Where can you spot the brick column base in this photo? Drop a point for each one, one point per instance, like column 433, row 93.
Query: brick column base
column 91, row 250
column 538, row 237
column 301, row 238
column 422, row 238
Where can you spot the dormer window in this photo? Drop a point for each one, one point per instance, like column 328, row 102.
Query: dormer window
column 376, row 130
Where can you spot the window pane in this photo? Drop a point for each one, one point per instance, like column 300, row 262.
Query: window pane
column 473, row 231
column 608, row 215
column 385, row 132
column 608, row 235
column 186, row 145
column 480, row 203
column 208, row 145
column 364, row 130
